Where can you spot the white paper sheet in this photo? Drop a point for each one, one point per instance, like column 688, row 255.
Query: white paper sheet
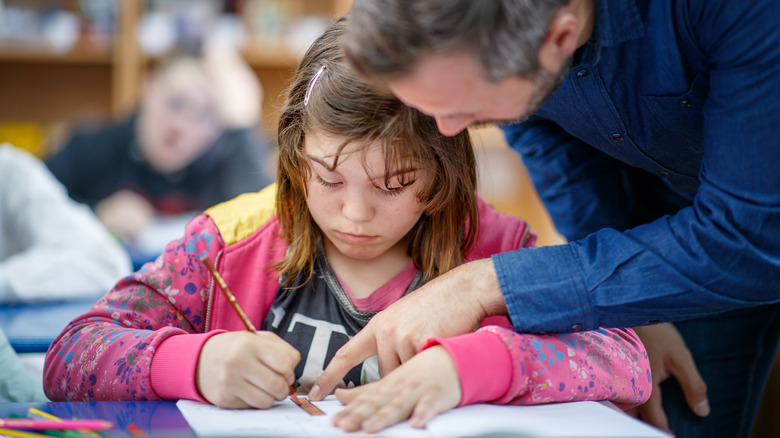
column 285, row 419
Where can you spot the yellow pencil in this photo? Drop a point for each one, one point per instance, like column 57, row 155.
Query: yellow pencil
column 21, row 433
column 45, row 415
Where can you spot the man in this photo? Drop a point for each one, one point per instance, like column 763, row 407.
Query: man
column 649, row 129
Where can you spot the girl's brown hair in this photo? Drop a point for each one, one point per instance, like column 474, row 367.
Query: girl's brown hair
column 343, row 105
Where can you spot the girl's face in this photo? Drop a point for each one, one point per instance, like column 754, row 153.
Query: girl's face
column 360, row 216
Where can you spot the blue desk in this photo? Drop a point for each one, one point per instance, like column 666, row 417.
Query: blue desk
column 138, row 257
column 156, row 418
column 31, row 328
column 162, row 419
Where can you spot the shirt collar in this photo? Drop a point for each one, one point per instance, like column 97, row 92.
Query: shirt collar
column 617, row 21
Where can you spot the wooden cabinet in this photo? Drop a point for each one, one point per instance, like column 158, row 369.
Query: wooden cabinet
column 89, row 82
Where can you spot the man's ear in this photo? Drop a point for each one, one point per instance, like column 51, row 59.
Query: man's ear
column 560, row 42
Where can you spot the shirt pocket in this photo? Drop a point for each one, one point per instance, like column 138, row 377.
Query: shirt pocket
column 676, row 122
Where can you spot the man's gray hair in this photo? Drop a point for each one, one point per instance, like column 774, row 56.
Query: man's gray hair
column 387, row 38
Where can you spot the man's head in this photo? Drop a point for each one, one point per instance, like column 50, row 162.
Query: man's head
column 467, row 62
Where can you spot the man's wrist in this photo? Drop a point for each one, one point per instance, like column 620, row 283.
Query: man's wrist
column 485, row 288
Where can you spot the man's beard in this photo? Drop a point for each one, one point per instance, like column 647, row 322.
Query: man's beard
column 545, row 84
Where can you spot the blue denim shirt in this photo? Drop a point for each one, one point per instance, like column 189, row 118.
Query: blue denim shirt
column 659, row 159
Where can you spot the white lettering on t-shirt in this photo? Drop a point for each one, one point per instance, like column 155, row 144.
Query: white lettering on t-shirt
column 318, row 349
column 278, row 313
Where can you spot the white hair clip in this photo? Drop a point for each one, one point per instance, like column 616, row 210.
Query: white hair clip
column 311, row 85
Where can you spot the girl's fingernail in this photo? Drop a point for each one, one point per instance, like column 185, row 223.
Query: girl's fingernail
column 703, row 408
column 370, row 425
column 315, row 392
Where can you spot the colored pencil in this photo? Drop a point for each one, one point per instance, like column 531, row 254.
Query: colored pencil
column 30, row 423
column 21, row 433
column 38, row 413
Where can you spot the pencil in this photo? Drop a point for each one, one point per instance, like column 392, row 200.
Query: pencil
column 39, row 413
column 43, row 414
column 304, row 404
column 231, row 298
column 57, row 433
column 136, row 431
column 31, row 423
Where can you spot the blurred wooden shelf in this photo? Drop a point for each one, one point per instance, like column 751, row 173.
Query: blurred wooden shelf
column 89, row 81
column 270, row 54
column 77, row 56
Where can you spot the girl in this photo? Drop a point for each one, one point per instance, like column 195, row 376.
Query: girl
column 371, row 202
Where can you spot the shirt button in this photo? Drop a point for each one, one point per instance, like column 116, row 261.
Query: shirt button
column 582, row 73
column 685, row 103
column 575, row 327
column 617, row 137
column 663, row 172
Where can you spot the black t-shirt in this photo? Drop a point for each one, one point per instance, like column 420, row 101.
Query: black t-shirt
column 97, row 162
column 318, row 318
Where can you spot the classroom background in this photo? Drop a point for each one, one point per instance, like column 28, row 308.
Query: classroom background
column 70, row 62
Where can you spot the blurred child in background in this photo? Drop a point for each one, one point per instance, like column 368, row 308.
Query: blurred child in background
column 193, row 142
column 17, row 384
column 51, row 248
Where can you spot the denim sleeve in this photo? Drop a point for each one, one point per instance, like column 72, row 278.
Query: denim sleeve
column 720, row 253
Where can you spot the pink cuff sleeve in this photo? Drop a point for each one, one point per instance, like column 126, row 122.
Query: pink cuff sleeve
column 483, row 363
column 175, row 364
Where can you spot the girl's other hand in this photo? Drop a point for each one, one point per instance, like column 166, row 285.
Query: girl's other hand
column 421, row 388
column 246, row 370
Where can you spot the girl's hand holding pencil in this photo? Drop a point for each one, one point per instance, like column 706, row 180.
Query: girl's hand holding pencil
column 242, row 369
column 249, row 369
